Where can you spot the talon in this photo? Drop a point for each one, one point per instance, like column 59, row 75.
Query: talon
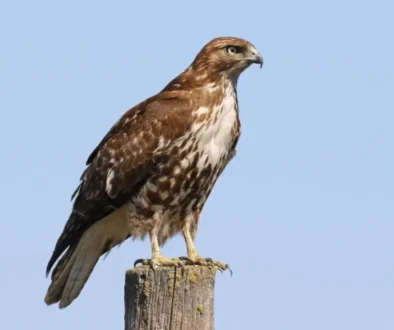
column 209, row 260
column 228, row 267
column 152, row 265
column 186, row 259
column 138, row 261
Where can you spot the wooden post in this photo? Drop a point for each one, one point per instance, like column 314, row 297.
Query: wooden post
column 170, row 298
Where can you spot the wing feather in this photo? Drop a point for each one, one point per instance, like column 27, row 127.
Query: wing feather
column 123, row 162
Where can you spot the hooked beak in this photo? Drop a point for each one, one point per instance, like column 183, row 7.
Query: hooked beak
column 257, row 58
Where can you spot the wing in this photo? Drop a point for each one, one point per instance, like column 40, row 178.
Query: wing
column 124, row 161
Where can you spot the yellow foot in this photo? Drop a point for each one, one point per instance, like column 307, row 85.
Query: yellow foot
column 160, row 261
column 208, row 262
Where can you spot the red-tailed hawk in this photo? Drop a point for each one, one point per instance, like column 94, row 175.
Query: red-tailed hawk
column 155, row 168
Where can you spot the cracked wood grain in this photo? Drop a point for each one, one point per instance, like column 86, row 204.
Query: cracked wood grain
column 169, row 298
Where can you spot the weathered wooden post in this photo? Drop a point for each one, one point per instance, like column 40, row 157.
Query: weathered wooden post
column 170, row 298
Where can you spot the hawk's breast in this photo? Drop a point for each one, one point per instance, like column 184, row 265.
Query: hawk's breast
column 182, row 185
column 217, row 135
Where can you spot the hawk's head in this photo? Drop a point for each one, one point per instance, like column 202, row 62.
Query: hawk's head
column 222, row 57
column 226, row 55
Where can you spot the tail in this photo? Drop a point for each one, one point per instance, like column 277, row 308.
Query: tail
column 75, row 266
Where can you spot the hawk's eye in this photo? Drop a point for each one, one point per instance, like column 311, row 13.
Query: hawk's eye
column 232, row 50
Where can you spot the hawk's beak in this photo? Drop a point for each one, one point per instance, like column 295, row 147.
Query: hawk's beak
column 257, row 58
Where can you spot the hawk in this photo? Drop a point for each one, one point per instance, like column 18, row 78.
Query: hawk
column 154, row 170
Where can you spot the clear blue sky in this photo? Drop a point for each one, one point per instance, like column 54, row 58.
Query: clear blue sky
column 304, row 214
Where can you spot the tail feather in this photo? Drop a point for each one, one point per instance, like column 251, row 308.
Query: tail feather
column 59, row 277
column 74, row 268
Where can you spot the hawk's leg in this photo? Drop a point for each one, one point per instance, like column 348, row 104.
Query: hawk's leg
column 194, row 258
column 158, row 259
